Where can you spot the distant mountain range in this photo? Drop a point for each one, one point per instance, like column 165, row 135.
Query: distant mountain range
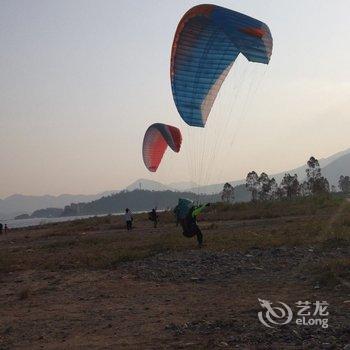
column 151, row 185
column 136, row 200
column 19, row 204
column 332, row 167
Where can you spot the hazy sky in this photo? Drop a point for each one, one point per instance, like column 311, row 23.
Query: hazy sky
column 82, row 80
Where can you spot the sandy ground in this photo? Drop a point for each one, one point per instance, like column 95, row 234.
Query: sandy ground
column 187, row 299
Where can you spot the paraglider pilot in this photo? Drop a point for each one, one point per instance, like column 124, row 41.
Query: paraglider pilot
column 153, row 216
column 176, row 214
column 128, row 219
column 189, row 223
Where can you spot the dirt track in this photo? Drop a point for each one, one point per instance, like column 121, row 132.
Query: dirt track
column 171, row 300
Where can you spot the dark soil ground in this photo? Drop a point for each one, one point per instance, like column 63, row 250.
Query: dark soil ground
column 89, row 284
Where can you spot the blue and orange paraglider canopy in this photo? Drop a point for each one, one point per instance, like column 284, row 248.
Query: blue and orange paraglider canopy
column 207, row 42
column 155, row 142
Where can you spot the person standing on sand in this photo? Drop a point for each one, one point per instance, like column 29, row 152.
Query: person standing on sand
column 6, row 229
column 128, row 219
column 0, row 228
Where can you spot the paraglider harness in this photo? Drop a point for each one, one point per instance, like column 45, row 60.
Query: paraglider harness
column 189, row 223
column 153, row 216
column 186, row 215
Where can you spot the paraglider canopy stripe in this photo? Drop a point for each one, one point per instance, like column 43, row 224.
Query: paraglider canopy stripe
column 155, row 142
column 207, row 41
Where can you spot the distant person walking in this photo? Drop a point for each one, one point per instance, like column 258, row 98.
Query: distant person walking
column 128, row 219
column 6, row 229
column 176, row 214
column 1, row 228
column 153, row 216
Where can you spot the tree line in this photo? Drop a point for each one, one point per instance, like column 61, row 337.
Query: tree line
column 263, row 188
column 137, row 200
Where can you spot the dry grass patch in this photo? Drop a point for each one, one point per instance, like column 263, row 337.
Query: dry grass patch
column 333, row 272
